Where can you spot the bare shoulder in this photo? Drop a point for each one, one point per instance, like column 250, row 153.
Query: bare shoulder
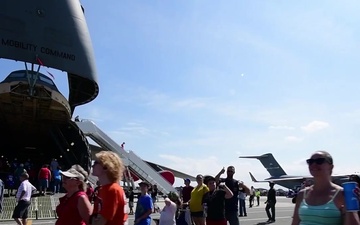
column 338, row 190
column 337, row 187
column 305, row 190
column 83, row 199
column 338, row 195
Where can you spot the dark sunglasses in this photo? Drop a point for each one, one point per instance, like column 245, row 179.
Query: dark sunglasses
column 69, row 178
column 318, row 161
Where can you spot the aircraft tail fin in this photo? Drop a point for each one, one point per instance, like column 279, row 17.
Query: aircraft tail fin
column 253, row 179
column 270, row 164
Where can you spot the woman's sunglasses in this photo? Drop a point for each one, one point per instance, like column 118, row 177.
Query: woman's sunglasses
column 318, row 161
column 69, row 178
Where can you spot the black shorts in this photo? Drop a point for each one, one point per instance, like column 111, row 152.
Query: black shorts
column 21, row 210
column 197, row 214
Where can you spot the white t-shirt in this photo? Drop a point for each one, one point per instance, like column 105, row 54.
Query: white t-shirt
column 167, row 216
column 28, row 188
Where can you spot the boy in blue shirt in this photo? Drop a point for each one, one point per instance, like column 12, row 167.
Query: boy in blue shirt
column 144, row 206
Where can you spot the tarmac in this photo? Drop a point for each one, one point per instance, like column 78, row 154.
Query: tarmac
column 255, row 215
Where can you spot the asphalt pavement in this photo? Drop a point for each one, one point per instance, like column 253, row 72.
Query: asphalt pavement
column 255, row 215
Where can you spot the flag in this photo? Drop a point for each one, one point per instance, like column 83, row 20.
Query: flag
column 39, row 61
column 42, row 64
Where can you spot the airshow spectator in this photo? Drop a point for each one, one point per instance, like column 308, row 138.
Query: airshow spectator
column 270, row 203
column 231, row 205
column 110, row 202
column 28, row 165
column 186, row 191
column 215, row 202
column 154, row 193
column 23, row 199
column 131, row 200
column 242, row 203
column 18, row 172
column 323, row 202
column 196, row 207
column 74, row 208
column 44, row 177
column 257, row 195
column 143, row 206
column 167, row 214
column 57, row 179
column 252, row 196
column 54, row 165
column 10, row 184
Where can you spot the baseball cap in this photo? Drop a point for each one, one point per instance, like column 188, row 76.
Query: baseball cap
column 187, row 180
column 73, row 173
column 143, row 183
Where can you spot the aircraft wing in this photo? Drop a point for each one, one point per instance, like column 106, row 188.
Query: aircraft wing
column 297, row 178
column 155, row 166
column 176, row 173
column 300, row 178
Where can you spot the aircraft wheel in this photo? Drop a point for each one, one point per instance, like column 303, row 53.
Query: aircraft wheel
column 293, row 200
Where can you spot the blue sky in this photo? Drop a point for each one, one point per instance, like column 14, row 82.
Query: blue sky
column 193, row 85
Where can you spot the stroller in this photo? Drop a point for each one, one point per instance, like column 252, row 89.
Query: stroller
column 183, row 216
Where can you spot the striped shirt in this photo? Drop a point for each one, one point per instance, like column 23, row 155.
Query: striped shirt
column 28, row 188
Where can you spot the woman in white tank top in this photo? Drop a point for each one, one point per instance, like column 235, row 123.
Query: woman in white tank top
column 323, row 202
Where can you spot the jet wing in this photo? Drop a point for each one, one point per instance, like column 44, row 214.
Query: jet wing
column 300, row 178
column 176, row 173
column 156, row 167
column 297, row 178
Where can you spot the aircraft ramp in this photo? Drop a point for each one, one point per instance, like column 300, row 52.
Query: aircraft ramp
column 130, row 159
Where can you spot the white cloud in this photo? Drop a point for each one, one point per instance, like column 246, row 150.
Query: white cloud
column 315, row 126
column 281, row 128
column 293, row 139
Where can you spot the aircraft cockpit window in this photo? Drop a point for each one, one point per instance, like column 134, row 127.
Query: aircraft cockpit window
column 17, row 75
column 47, row 80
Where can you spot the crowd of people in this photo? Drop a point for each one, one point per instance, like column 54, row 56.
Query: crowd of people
column 213, row 201
column 44, row 176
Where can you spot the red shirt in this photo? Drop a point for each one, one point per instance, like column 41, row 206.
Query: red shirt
column 68, row 212
column 44, row 173
column 111, row 204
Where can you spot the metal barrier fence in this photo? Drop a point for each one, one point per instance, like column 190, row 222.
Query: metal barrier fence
column 42, row 207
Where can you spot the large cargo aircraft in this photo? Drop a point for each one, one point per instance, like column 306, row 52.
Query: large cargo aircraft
column 35, row 118
column 279, row 176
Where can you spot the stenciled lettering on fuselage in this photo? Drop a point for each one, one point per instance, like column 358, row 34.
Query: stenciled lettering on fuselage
column 35, row 48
